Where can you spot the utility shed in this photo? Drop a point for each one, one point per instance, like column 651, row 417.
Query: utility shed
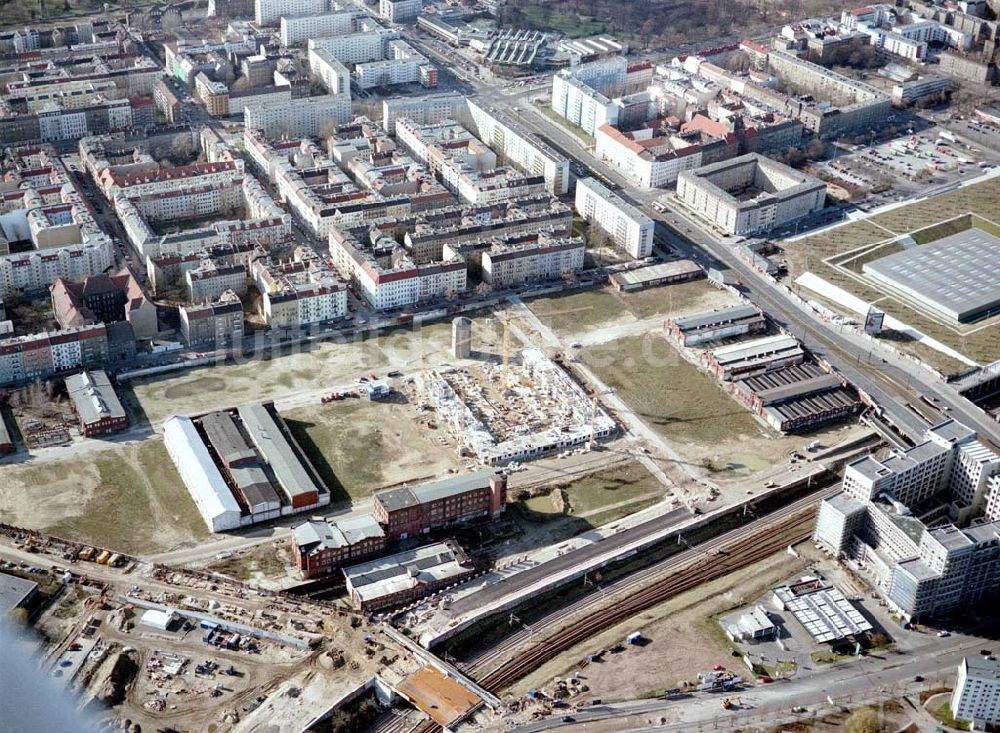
column 202, row 478
column 273, row 445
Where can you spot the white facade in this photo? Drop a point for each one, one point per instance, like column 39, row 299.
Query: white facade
column 977, row 691
column 38, row 269
column 356, row 48
column 296, row 30
column 268, row 12
column 630, row 229
column 581, row 105
column 642, row 166
column 520, row 147
column 215, row 502
column 306, row 117
column 506, row 266
column 328, row 70
column 399, row 11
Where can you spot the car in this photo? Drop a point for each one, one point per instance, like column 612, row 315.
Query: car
column 942, row 634
column 568, row 719
column 918, row 678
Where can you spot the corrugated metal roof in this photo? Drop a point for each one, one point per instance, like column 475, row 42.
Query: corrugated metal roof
column 201, row 476
column 273, row 446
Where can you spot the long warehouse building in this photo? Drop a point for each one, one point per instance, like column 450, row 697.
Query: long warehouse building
column 204, row 481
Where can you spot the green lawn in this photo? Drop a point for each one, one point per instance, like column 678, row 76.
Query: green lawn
column 575, row 312
column 669, row 394
column 943, row 713
column 629, row 482
column 566, row 124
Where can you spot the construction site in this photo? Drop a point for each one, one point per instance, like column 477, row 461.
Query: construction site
column 516, row 411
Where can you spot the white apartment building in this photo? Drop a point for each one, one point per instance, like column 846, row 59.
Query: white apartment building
column 269, row 12
column 301, row 292
column 402, row 65
column 508, row 264
column 399, row 11
column 36, row 270
column 329, row 71
column 586, row 108
column 630, row 229
column 976, row 698
column 631, row 154
column 306, row 117
column 296, row 30
column 357, row 48
column 210, row 280
column 427, row 110
column 520, row 147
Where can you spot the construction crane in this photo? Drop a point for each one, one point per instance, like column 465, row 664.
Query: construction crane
column 505, row 320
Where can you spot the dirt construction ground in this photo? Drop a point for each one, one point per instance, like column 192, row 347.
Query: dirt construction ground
column 684, row 638
column 341, row 439
column 128, row 498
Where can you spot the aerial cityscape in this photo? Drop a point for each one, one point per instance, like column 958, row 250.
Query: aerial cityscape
column 419, row 366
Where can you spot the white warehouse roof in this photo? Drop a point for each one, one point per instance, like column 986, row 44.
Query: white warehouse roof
column 215, row 501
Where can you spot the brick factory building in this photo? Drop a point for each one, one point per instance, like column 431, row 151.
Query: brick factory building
column 96, row 403
column 407, row 511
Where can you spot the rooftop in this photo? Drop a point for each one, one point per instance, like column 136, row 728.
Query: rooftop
column 14, row 591
column 957, row 276
column 397, row 573
column 93, row 397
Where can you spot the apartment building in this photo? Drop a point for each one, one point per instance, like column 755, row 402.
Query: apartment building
column 402, row 65
column 329, row 71
column 584, row 94
column 301, row 292
column 518, row 259
column 215, row 325
column 519, row 147
column 650, row 158
column 296, row 30
column 269, row 12
column 399, row 11
column 210, row 280
column 976, row 697
column 918, row 522
column 629, row 229
column 307, row 117
column 367, row 44
column 40, row 356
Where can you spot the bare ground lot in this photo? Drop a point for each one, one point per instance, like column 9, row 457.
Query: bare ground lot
column 127, row 498
column 575, row 314
column 684, row 638
column 821, row 253
column 292, row 378
column 569, row 508
column 360, row 446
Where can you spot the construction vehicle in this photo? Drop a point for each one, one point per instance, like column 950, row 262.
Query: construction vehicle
column 727, row 704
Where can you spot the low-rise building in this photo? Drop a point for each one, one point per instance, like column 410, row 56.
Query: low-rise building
column 651, row 276
column 740, row 320
column 751, row 357
column 322, row 547
column 96, row 403
column 407, row 576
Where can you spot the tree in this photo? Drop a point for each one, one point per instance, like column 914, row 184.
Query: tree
column 864, row 720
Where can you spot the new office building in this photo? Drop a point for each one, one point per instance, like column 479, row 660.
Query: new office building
column 923, row 524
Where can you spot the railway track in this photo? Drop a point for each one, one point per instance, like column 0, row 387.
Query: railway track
column 501, row 666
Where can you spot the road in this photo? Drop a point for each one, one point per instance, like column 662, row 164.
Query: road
column 889, row 379
column 872, row 677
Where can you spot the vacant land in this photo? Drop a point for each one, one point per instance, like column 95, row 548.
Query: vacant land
column 672, row 396
column 575, row 314
column 684, row 638
column 838, row 255
column 360, row 446
column 620, row 486
column 325, row 366
column 126, row 498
